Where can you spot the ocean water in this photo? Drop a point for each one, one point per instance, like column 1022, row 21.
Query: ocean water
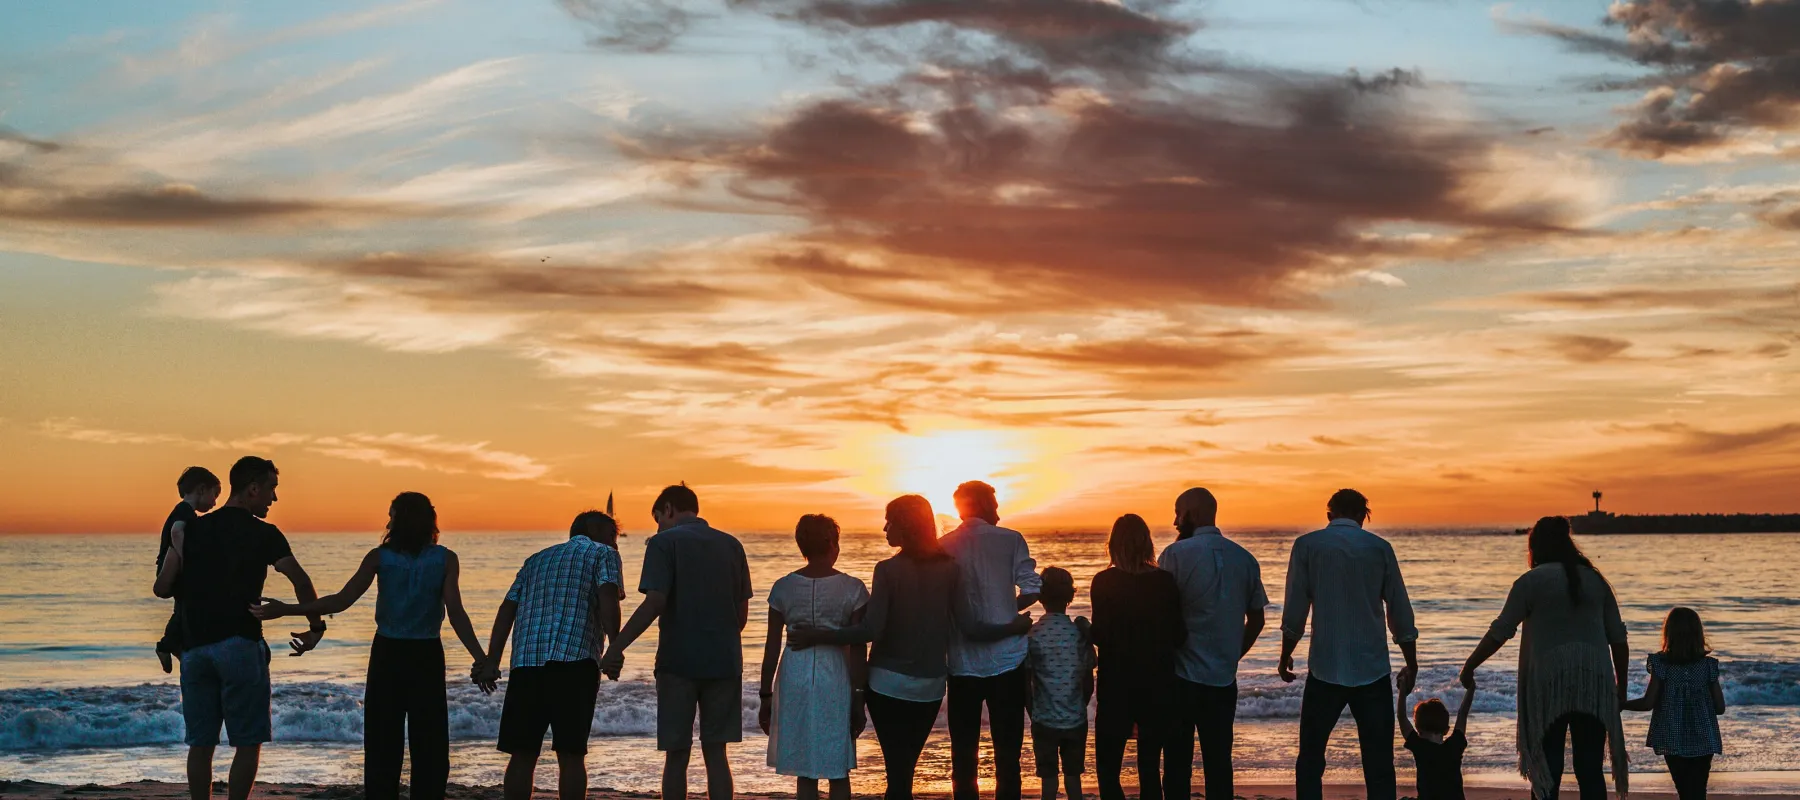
column 82, row 698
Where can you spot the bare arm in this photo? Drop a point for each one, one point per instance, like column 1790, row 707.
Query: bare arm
column 330, row 604
column 171, row 567
column 646, row 613
column 1254, row 621
column 453, row 608
column 606, row 606
column 1621, row 657
column 1407, row 732
column 771, row 660
column 743, row 614
column 1483, row 651
column 305, row 593
column 1652, row 694
column 503, row 625
column 1718, row 698
column 1462, row 711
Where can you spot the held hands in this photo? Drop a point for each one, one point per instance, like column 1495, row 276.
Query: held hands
column 1021, row 624
column 268, row 608
column 303, row 641
column 1408, row 676
column 612, row 663
column 1286, row 668
column 1467, row 678
column 485, row 675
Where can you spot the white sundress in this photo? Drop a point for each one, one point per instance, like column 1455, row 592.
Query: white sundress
column 810, row 732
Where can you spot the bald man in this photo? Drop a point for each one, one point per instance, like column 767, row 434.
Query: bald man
column 1222, row 601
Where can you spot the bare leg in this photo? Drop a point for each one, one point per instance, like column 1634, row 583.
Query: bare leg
column 840, row 789
column 806, row 789
column 521, row 769
column 674, row 782
column 243, row 770
column 718, row 771
column 199, row 772
column 571, row 776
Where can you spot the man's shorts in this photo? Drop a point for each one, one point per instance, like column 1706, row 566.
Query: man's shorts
column 719, row 702
column 226, row 682
column 559, row 697
column 1051, row 744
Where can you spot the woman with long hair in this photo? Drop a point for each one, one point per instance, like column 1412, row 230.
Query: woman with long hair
column 909, row 621
column 404, row 698
column 1137, row 629
column 1573, row 658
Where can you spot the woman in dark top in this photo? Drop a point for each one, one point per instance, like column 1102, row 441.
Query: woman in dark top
column 1137, row 629
column 909, row 620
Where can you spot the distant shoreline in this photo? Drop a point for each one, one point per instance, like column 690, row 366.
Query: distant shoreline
column 1602, row 523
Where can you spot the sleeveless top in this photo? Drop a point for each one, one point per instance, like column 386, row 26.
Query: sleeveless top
column 410, row 601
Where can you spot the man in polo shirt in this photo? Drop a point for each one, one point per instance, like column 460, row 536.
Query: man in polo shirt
column 696, row 580
column 221, row 561
column 1349, row 579
column 563, row 600
column 1222, row 601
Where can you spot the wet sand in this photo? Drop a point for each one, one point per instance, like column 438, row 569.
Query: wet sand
column 154, row 790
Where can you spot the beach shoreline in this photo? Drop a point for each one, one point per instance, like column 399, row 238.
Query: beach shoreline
column 160, row 790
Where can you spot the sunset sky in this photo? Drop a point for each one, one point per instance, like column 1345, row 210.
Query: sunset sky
column 1476, row 260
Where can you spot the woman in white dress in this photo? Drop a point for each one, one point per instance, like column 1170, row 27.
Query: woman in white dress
column 812, row 705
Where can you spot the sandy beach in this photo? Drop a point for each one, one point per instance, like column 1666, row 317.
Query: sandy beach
column 156, row 790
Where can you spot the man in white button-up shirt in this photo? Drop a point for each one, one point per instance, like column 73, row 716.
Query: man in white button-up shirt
column 1222, row 602
column 999, row 580
column 1350, row 580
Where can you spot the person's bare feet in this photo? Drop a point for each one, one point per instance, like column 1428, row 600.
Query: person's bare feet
column 168, row 661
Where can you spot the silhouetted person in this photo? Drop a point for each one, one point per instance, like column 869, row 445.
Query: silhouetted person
column 1685, row 701
column 1222, row 601
column 1349, row 580
column 221, row 561
column 1572, row 664
column 1137, row 629
column 405, row 698
column 697, row 581
column 1437, row 748
column 199, row 490
column 562, row 607
column 912, row 615
column 999, row 580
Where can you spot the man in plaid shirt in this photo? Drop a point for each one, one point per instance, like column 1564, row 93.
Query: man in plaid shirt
column 564, row 600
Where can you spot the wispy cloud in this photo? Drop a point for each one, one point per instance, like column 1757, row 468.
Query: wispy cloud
column 403, row 450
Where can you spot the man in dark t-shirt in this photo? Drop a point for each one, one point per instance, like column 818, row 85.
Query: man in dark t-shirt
column 697, row 581
column 221, row 561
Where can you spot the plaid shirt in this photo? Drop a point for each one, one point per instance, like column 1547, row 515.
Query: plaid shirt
column 555, row 595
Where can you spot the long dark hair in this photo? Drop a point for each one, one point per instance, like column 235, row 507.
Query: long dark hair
column 1684, row 638
column 910, row 516
column 1552, row 542
column 412, row 523
column 1130, row 546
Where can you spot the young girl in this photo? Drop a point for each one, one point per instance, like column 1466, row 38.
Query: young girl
column 1685, row 700
column 812, row 699
column 405, row 695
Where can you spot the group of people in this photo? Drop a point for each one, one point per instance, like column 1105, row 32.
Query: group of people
column 946, row 621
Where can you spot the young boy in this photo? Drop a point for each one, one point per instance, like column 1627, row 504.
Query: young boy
column 1061, row 660
column 1437, row 750
column 199, row 490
